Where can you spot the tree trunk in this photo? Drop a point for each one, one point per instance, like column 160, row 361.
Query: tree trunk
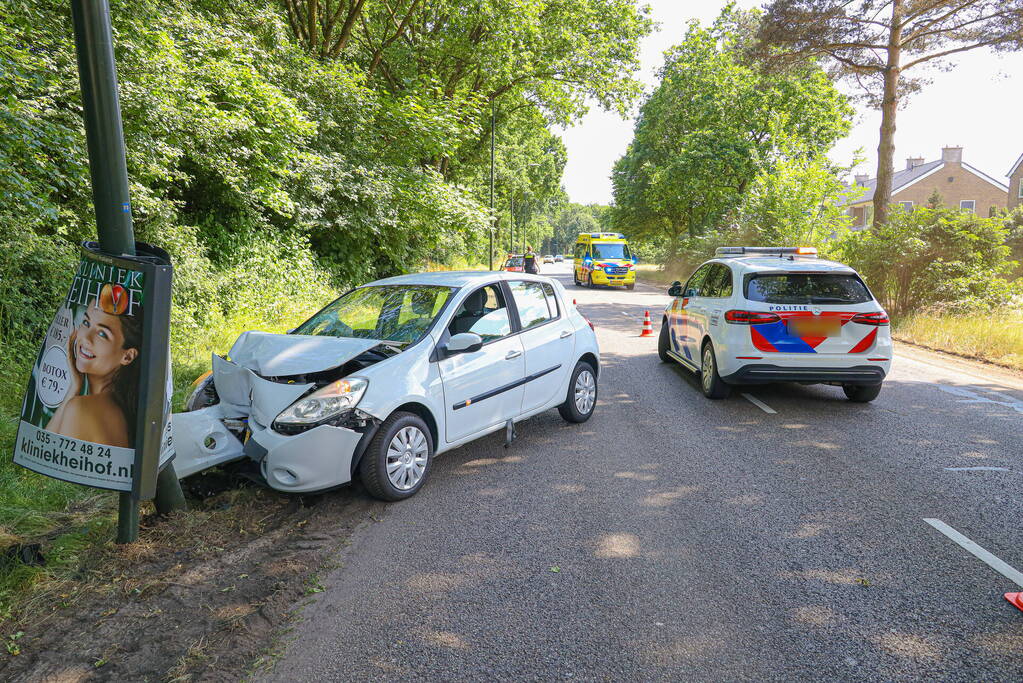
column 889, row 108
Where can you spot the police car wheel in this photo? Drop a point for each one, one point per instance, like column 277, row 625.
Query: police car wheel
column 710, row 381
column 397, row 462
column 861, row 393
column 582, row 394
column 663, row 342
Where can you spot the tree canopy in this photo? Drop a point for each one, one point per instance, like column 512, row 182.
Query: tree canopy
column 873, row 43
column 715, row 124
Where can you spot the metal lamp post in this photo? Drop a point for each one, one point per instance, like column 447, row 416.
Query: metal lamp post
column 108, row 168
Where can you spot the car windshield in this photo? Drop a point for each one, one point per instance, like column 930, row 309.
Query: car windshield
column 611, row 250
column 513, row 262
column 396, row 313
column 807, row 288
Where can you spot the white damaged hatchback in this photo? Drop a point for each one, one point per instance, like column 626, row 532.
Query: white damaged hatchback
column 389, row 375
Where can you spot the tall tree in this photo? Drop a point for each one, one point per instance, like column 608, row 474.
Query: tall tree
column 875, row 42
column 712, row 126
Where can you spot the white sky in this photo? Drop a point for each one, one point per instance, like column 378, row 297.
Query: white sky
column 977, row 105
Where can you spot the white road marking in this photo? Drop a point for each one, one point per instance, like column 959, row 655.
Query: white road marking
column 977, row 469
column 760, row 404
column 969, row 394
column 984, row 556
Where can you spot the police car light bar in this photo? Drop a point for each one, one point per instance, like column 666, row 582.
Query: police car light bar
column 737, row 251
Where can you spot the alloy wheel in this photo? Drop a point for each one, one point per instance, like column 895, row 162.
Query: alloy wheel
column 406, row 458
column 585, row 392
column 707, row 373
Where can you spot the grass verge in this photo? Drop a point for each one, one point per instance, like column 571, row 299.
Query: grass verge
column 72, row 523
column 994, row 337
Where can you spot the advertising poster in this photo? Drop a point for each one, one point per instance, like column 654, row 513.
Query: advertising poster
column 80, row 418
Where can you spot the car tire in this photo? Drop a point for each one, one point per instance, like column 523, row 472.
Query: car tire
column 710, row 381
column 630, row 287
column 589, row 281
column 664, row 342
column 581, row 400
column 861, row 393
column 400, row 441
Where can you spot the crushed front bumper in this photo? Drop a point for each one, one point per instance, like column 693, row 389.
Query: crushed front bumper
column 314, row 460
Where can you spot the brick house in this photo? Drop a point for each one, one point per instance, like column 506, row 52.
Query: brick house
column 1016, row 183
column 958, row 183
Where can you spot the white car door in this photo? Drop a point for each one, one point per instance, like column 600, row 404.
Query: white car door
column 482, row 388
column 546, row 338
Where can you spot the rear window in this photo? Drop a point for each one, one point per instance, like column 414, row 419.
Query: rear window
column 807, row 288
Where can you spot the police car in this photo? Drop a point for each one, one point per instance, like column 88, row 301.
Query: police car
column 755, row 315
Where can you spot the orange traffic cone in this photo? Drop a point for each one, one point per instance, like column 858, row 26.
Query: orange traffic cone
column 1015, row 599
column 648, row 327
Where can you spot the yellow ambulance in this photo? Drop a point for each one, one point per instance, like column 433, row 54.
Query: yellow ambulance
column 604, row 258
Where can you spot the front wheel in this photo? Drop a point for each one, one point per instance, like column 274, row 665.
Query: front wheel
column 397, row 461
column 663, row 343
column 582, row 394
column 589, row 280
column 861, row 393
column 710, row 381
column 630, row 287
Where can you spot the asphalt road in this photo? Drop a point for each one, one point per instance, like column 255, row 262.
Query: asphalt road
column 672, row 537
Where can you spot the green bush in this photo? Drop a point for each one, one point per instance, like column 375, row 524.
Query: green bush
column 933, row 258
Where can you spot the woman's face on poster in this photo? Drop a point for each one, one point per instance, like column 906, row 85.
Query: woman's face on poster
column 99, row 343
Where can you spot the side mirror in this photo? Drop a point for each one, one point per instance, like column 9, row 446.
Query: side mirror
column 464, row 342
column 675, row 289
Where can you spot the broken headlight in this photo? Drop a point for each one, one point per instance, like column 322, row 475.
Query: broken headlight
column 202, row 393
column 324, row 404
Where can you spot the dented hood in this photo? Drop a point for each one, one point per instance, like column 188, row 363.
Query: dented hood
column 282, row 355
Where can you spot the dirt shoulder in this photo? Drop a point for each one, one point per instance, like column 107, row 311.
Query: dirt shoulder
column 202, row 596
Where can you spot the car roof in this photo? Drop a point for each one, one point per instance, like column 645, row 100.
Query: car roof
column 456, row 278
column 784, row 263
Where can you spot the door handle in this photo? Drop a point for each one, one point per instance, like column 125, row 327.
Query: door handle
column 512, row 354
column 566, row 333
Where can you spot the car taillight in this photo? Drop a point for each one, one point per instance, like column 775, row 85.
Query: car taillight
column 750, row 317
column 877, row 318
column 589, row 323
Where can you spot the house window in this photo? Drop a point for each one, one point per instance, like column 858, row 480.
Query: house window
column 968, row 205
column 1020, row 193
column 906, row 206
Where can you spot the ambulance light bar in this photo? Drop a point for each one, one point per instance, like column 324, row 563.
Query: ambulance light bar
column 765, row 251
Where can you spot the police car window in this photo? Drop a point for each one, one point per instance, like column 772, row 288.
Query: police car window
column 712, row 283
column 531, row 302
column 611, row 250
column 718, row 283
column 696, row 281
column 807, row 288
column 483, row 312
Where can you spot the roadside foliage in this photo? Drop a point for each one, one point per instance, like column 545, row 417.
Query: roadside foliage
column 282, row 152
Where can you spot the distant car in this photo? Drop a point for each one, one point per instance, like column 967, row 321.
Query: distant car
column 559, row 258
column 515, row 264
column 754, row 315
column 389, row 375
column 548, row 258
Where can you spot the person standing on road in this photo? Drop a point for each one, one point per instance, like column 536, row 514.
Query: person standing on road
column 530, row 261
